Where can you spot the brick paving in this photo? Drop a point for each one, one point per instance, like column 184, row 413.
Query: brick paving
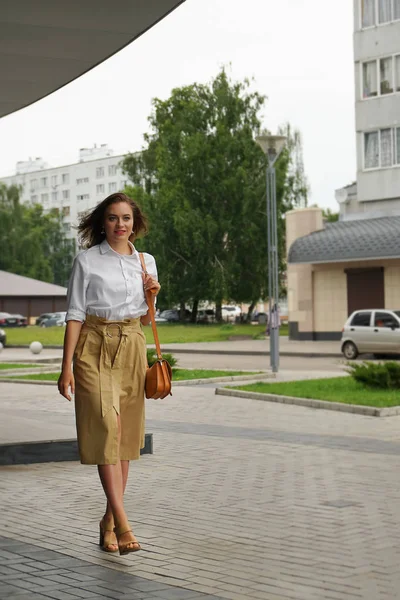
column 241, row 500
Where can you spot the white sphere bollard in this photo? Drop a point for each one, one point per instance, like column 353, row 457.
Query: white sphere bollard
column 36, row 347
column 1, row 346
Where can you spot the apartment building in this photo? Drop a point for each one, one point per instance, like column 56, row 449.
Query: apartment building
column 337, row 268
column 376, row 192
column 74, row 188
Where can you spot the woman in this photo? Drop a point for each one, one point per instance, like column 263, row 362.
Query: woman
column 106, row 307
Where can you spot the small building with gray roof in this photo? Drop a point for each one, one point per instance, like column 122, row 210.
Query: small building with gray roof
column 337, row 268
column 30, row 297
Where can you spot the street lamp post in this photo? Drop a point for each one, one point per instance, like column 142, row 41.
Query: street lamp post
column 272, row 146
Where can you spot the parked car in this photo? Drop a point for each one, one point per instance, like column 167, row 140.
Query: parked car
column 57, row 319
column 8, row 320
column 3, row 337
column 206, row 316
column 375, row 331
column 172, row 315
column 230, row 312
column 43, row 317
column 21, row 320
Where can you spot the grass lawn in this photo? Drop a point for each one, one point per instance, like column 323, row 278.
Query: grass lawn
column 337, row 389
column 4, row 366
column 178, row 374
column 168, row 333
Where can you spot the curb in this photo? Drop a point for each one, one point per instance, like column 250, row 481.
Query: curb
column 369, row 411
column 166, row 349
column 182, row 382
column 28, row 453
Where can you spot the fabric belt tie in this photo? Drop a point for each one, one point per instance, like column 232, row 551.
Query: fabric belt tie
column 111, row 370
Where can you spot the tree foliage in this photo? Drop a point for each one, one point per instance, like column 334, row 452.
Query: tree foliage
column 32, row 243
column 201, row 180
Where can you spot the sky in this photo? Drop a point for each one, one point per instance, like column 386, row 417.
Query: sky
column 299, row 53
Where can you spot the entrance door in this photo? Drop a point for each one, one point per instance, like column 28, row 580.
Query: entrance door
column 365, row 289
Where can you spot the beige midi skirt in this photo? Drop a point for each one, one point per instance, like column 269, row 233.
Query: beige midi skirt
column 109, row 368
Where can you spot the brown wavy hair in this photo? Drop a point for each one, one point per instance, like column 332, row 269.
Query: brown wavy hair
column 90, row 228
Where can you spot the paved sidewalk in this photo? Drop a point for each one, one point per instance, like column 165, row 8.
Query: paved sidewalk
column 242, row 500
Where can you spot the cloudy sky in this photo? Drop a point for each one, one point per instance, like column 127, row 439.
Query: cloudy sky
column 299, row 53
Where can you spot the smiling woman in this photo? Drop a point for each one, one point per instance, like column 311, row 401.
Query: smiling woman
column 104, row 339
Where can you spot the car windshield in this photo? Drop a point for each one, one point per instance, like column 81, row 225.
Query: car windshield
column 397, row 313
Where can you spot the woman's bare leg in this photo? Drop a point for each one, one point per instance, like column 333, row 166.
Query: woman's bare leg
column 114, row 479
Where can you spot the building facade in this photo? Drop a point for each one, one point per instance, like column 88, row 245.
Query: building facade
column 377, row 112
column 72, row 189
column 336, row 268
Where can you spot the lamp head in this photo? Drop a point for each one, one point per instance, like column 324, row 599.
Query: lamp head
column 271, row 145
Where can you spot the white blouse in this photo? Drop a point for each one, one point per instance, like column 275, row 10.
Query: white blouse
column 106, row 284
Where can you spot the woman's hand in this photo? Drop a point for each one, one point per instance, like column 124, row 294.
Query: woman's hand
column 65, row 381
column 150, row 284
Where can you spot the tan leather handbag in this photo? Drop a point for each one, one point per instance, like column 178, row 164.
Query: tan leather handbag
column 159, row 376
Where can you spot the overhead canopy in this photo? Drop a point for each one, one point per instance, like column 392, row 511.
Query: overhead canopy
column 349, row 240
column 45, row 44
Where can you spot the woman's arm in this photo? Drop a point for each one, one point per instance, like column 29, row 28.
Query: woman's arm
column 150, row 284
column 66, row 379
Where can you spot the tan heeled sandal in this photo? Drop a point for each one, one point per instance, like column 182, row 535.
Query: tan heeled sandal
column 124, row 546
column 107, row 538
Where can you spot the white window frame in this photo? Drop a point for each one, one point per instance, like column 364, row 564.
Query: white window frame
column 100, row 172
column 112, row 170
column 378, row 76
column 376, row 24
column 114, row 185
column 394, row 164
column 65, row 178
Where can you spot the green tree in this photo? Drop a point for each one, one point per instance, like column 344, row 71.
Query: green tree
column 329, row 216
column 201, row 180
column 32, row 243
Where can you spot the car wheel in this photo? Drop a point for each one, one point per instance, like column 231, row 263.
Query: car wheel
column 42, row 325
column 350, row 351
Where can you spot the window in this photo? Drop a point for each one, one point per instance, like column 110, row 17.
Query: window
column 386, row 75
column 371, row 150
column 65, row 178
column 112, row 170
column 112, row 187
column 386, row 148
column 370, row 79
column 66, row 211
column 397, row 73
column 82, row 180
column 384, row 319
column 66, row 227
column 100, row 172
column 54, row 197
column 65, row 194
column 100, row 188
column 123, row 184
column 34, row 199
column 83, row 197
column 33, row 184
column 361, row 319
column 43, row 181
column 379, row 12
column 54, row 180
column 385, row 11
column 382, row 148
column 44, row 198
column 368, row 18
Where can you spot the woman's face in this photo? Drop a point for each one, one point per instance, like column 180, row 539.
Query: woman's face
column 118, row 221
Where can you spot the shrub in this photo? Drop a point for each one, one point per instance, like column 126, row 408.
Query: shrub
column 383, row 376
column 152, row 357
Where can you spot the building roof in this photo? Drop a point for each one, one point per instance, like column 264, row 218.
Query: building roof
column 47, row 44
column 17, row 285
column 349, row 240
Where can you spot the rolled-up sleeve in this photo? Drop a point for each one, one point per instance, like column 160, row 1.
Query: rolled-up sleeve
column 76, row 296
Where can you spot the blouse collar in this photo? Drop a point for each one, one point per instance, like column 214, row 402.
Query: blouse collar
column 105, row 247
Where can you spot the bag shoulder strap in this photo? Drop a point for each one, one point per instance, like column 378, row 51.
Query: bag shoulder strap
column 150, row 304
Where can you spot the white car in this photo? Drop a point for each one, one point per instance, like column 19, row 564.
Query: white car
column 230, row 312
column 375, row 331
